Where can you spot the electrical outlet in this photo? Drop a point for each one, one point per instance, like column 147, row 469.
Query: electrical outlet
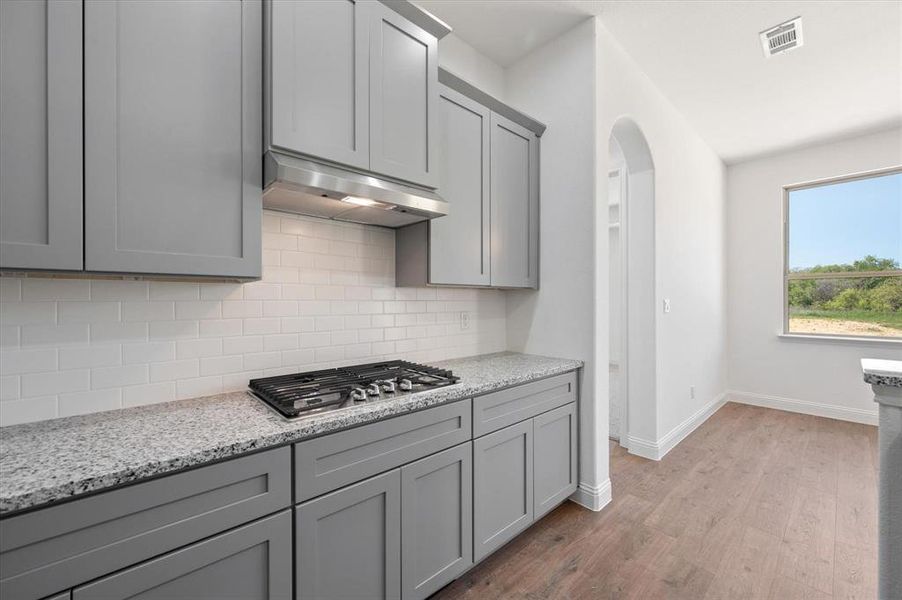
column 464, row 320
column 692, row 392
column 666, row 305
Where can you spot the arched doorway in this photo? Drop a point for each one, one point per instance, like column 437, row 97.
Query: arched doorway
column 631, row 269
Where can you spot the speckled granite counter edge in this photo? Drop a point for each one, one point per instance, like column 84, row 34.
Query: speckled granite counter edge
column 44, row 493
column 887, row 380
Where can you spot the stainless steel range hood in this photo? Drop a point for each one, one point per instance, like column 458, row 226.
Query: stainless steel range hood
column 306, row 187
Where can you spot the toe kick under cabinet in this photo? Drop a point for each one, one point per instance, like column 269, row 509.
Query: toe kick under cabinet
column 396, row 509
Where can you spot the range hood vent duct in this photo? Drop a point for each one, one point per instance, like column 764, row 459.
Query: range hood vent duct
column 307, row 187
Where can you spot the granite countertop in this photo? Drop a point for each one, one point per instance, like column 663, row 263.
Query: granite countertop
column 53, row 460
column 882, row 372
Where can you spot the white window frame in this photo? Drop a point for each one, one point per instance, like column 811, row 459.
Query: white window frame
column 789, row 276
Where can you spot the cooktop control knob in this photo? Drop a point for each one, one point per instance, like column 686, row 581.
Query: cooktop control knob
column 406, row 385
column 388, row 387
column 358, row 394
column 373, row 389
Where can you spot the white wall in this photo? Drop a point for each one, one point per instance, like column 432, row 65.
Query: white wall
column 821, row 377
column 327, row 297
column 458, row 57
column 689, row 182
column 555, row 85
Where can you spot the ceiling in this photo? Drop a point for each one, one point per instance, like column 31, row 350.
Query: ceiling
column 506, row 30
column 706, row 57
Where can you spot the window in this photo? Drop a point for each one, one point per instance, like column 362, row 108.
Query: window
column 842, row 274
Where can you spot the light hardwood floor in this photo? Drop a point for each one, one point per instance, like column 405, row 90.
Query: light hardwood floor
column 756, row 503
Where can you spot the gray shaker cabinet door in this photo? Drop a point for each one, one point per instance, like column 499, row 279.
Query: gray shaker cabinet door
column 320, row 78
column 555, row 459
column 502, row 487
column 41, row 134
column 515, row 204
column 459, row 242
column 436, row 520
column 348, row 543
column 173, row 137
column 403, row 97
column 252, row 562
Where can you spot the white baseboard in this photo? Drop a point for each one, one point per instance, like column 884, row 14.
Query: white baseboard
column 659, row 449
column 806, row 407
column 593, row 497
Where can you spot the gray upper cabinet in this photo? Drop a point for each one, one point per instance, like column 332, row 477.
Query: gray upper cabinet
column 41, row 134
column 459, row 242
column 555, row 459
column 320, row 78
column 173, row 137
column 436, row 520
column 348, row 543
column 251, row 563
column 515, row 204
column 502, row 487
column 403, row 97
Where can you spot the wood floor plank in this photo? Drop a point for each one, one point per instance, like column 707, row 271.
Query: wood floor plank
column 755, row 503
column 808, row 543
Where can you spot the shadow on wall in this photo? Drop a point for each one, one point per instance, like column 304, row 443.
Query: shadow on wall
column 633, row 367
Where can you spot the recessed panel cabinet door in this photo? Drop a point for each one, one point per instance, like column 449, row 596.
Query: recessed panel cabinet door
column 555, row 457
column 515, row 204
column 459, row 242
column 502, row 487
column 41, row 134
column 320, row 78
column 436, row 520
column 173, row 132
column 348, row 543
column 403, row 97
column 252, row 562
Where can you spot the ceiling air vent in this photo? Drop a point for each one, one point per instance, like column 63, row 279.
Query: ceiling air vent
column 782, row 38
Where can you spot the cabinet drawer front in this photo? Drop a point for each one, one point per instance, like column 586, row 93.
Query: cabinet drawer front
column 333, row 461
column 251, row 563
column 49, row 550
column 500, row 409
column 555, row 459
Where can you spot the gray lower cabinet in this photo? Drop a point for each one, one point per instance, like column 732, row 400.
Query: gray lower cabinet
column 319, row 62
column 41, row 134
column 403, row 96
column 503, row 487
column 173, row 137
column 436, row 520
column 459, row 242
column 252, row 562
column 63, row 596
column 515, row 204
column 348, row 543
column 555, row 458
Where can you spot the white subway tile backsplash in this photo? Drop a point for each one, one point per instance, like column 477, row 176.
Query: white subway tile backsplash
column 23, row 313
column 174, row 370
column 15, row 362
column 90, row 356
column 117, row 377
column 80, row 403
column 327, row 298
column 88, row 312
column 57, row 382
column 55, row 289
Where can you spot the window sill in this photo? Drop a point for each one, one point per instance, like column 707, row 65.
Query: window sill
column 840, row 339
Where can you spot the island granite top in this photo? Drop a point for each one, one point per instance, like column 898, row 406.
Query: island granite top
column 882, row 372
column 53, row 460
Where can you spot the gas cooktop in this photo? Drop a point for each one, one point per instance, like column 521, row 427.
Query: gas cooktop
column 316, row 392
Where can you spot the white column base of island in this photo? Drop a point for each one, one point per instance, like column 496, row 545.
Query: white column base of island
column 885, row 377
